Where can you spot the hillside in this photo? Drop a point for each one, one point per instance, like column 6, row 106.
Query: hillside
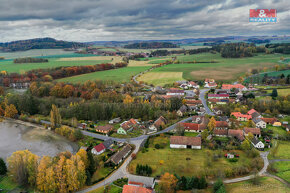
column 38, row 43
column 151, row 45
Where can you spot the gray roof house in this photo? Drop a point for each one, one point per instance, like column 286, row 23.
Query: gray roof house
column 147, row 182
column 108, row 143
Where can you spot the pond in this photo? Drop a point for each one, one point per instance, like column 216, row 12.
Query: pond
column 15, row 136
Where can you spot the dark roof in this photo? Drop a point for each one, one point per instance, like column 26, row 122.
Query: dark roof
column 183, row 108
column 117, row 157
column 183, row 140
column 108, row 143
column 255, row 141
column 255, row 114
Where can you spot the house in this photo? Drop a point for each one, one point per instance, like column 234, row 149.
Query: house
column 104, row 129
column 175, row 92
column 121, row 155
column 254, row 113
column 220, row 132
column 116, row 120
column 108, row 143
column 255, row 131
column 99, row 149
column 221, row 125
column 224, row 118
column 277, row 124
column 257, row 143
column 192, row 84
column 142, row 181
column 217, row 111
column 127, row 126
column 210, row 85
column 218, row 96
column 241, row 117
column 193, row 127
column 136, row 189
column 185, row 142
column 236, row 86
column 236, row 134
column 183, row 109
column 270, row 121
column 200, row 119
column 184, row 86
column 158, row 124
column 260, row 123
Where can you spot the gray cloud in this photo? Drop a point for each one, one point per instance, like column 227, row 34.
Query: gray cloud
column 89, row 20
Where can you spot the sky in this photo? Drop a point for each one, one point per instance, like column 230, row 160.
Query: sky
column 119, row 20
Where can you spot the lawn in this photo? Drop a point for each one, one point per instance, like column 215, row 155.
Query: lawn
column 6, row 184
column 133, row 133
column 219, row 68
column 281, row 92
column 118, row 75
column 283, row 170
column 111, row 189
column 191, row 134
column 268, row 185
column 277, row 130
column 281, row 150
column 187, row 162
column 10, row 67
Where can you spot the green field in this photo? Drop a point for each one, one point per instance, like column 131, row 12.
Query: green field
column 118, row 75
column 277, row 130
column 270, row 74
column 283, row 170
column 281, row 92
column 281, row 150
column 10, row 67
column 34, row 53
column 185, row 162
column 226, row 69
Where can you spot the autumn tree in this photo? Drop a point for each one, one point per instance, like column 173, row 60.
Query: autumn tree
column 250, row 136
column 250, row 123
column 55, row 118
column 128, row 99
column 10, row 111
column 245, row 145
column 41, row 180
column 168, row 183
column 83, row 156
column 211, row 124
column 74, row 122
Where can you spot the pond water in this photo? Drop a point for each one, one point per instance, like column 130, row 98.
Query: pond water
column 15, row 136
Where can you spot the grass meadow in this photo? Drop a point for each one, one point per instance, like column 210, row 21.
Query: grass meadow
column 281, row 150
column 283, row 170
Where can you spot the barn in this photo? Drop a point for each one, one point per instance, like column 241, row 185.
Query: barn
column 183, row 142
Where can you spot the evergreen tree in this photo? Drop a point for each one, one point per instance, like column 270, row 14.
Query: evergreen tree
column 274, row 93
column 3, row 167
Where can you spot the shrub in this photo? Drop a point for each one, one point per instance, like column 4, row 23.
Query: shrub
column 157, row 146
column 233, row 160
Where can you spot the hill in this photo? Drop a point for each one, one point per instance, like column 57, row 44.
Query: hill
column 38, row 43
column 151, row 45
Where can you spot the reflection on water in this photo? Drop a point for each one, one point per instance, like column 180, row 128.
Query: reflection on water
column 15, row 137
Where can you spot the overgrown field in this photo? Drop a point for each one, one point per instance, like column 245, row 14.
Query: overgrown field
column 281, row 150
column 283, row 170
column 219, row 68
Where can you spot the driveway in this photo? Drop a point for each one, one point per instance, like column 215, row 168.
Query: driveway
column 204, row 102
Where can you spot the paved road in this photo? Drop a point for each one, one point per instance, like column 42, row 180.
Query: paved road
column 203, row 100
column 279, row 160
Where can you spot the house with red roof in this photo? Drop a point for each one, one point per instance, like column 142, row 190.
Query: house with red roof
column 127, row 126
column 193, row 127
column 255, row 131
column 221, row 125
column 183, row 142
column 136, row 189
column 237, row 86
column 241, row 117
column 239, row 134
column 270, row 121
column 99, row 149
column 220, row 132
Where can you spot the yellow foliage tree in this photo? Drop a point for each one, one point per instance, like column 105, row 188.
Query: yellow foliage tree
column 55, row 118
column 10, row 111
column 168, row 183
column 41, row 180
column 211, row 124
column 128, row 99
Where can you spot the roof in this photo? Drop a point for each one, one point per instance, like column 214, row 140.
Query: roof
column 128, row 124
column 107, row 143
column 193, row 126
column 209, row 80
column 236, row 133
column 105, row 128
column 183, row 108
column 255, row 141
column 135, row 189
column 192, row 83
column 160, row 121
column 250, row 112
column 257, row 120
column 255, row 131
column 146, row 181
column 176, row 91
column 99, row 147
column 117, row 157
column 270, row 120
column 230, row 86
column 184, row 140
column 220, row 131
column 221, row 124
column 236, row 114
column 218, row 95
column 255, row 114
column 191, row 101
column 212, row 84
column 203, row 119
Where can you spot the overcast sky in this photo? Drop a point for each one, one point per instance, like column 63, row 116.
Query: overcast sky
column 106, row 20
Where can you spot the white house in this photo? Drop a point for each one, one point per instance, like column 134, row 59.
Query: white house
column 260, row 123
column 257, row 143
column 183, row 142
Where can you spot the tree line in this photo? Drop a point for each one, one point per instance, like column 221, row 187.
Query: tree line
column 29, row 60
column 151, row 45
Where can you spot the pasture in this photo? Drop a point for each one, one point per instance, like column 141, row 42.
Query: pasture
column 281, row 150
column 118, row 75
column 208, row 65
column 283, row 170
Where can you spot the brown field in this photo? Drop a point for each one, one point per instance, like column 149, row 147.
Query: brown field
column 224, row 73
column 92, row 58
column 144, row 63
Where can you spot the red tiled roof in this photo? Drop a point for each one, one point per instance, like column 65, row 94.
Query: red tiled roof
column 245, row 116
column 230, row 86
column 221, row 124
column 220, row 132
column 135, row 189
column 105, row 128
column 193, row 102
column 255, row 131
column 192, row 83
column 235, row 114
column 212, row 84
column 184, row 140
column 250, row 112
column 209, row 80
column 270, row 120
column 100, row 147
column 236, row 133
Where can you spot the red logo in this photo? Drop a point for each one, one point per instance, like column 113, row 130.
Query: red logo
column 261, row 13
